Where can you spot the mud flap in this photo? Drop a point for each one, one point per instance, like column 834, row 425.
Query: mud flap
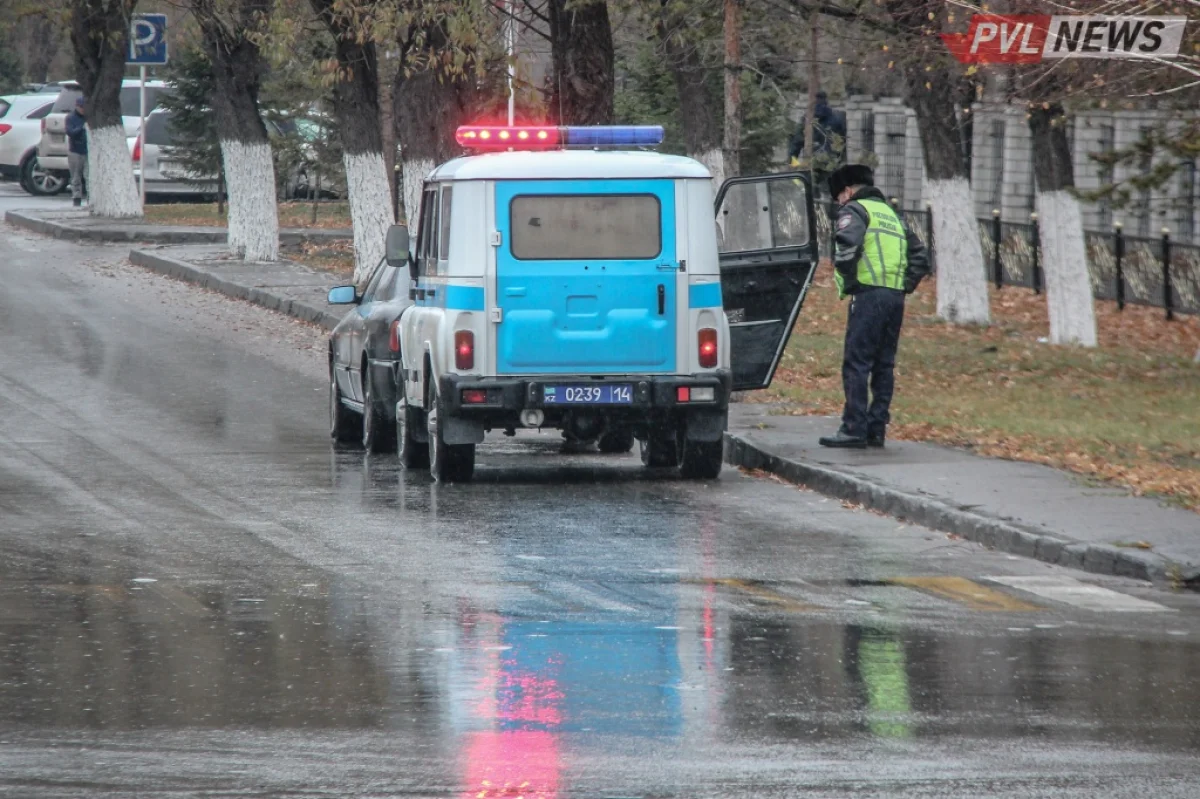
column 706, row 425
column 461, row 431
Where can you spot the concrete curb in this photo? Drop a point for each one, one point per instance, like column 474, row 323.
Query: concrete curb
column 182, row 270
column 156, row 234
column 939, row 515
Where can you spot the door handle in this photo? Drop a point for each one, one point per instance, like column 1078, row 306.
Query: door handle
column 665, row 267
column 662, row 299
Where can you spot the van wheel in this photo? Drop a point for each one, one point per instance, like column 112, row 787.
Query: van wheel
column 616, row 441
column 345, row 426
column 702, row 460
column 448, row 463
column 660, row 450
column 413, row 454
column 378, row 432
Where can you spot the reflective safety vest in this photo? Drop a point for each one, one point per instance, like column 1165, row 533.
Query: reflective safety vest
column 884, row 259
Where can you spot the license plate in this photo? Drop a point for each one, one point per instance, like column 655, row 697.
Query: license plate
column 603, row 394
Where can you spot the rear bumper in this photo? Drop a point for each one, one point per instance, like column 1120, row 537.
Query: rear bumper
column 649, row 392
column 54, row 163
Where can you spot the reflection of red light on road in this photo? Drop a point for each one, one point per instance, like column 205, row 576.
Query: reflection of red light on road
column 507, row 765
column 529, row 698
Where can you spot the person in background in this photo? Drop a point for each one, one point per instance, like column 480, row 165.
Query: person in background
column 877, row 261
column 829, row 139
column 77, row 149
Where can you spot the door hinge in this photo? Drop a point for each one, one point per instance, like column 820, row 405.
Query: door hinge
column 496, row 315
column 496, row 239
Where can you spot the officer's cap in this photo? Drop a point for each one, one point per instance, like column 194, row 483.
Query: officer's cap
column 850, row 175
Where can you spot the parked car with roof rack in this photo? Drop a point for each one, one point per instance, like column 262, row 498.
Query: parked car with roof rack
column 52, row 149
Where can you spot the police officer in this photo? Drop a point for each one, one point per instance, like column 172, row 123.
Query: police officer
column 877, row 261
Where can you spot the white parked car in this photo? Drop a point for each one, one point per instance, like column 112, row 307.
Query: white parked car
column 20, row 130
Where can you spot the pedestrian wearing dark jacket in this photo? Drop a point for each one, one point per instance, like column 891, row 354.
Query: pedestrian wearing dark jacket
column 877, row 261
column 77, row 149
column 829, row 138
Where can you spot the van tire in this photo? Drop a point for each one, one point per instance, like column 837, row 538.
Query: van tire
column 702, row 460
column 448, row 463
column 616, row 441
column 413, row 454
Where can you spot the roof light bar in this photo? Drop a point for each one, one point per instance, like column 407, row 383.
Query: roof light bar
column 489, row 137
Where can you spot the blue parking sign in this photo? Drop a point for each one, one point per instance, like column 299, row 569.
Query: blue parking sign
column 148, row 40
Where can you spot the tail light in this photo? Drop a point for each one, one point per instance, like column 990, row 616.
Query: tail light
column 394, row 337
column 464, row 350
column 43, row 124
column 137, row 149
column 4, row 128
column 707, row 341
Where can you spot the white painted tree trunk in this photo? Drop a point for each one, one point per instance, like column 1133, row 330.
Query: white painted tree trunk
column 714, row 162
column 1068, row 287
column 415, row 171
column 370, row 208
column 253, row 213
column 112, row 190
column 962, row 292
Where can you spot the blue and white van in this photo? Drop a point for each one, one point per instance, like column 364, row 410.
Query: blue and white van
column 582, row 285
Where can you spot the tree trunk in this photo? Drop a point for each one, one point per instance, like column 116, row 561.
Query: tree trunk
column 1068, row 283
column 936, row 91
column 582, row 74
column 429, row 108
column 699, row 105
column 238, row 66
column 733, row 87
column 356, row 105
column 387, row 124
column 42, row 36
column 100, row 35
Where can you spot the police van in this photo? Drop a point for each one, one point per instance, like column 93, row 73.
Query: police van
column 571, row 278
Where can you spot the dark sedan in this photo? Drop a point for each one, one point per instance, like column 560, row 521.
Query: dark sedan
column 364, row 353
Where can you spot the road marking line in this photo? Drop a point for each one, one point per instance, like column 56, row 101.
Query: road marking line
column 966, row 592
column 1070, row 591
column 759, row 591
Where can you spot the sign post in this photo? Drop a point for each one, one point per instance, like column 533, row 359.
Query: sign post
column 147, row 47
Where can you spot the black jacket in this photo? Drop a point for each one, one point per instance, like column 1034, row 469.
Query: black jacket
column 77, row 133
column 852, row 220
column 829, row 123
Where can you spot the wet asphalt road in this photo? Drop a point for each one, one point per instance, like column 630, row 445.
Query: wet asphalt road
column 198, row 597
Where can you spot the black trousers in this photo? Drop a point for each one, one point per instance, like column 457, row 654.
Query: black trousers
column 869, row 357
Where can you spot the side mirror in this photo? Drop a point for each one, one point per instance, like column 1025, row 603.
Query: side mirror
column 343, row 295
column 395, row 248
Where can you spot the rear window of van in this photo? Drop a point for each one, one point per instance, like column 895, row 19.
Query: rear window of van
column 571, row 227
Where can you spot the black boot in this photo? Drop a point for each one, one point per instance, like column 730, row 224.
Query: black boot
column 875, row 440
column 843, row 441
column 77, row 202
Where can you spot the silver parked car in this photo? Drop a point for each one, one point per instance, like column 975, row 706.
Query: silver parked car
column 165, row 172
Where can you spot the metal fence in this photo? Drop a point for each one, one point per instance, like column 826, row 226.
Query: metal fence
column 1156, row 272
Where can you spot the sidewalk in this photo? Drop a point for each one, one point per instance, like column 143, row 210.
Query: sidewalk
column 80, row 226
column 1026, row 509
column 1022, row 508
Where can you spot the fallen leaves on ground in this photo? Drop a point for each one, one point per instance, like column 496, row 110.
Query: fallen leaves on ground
column 1126, row 412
